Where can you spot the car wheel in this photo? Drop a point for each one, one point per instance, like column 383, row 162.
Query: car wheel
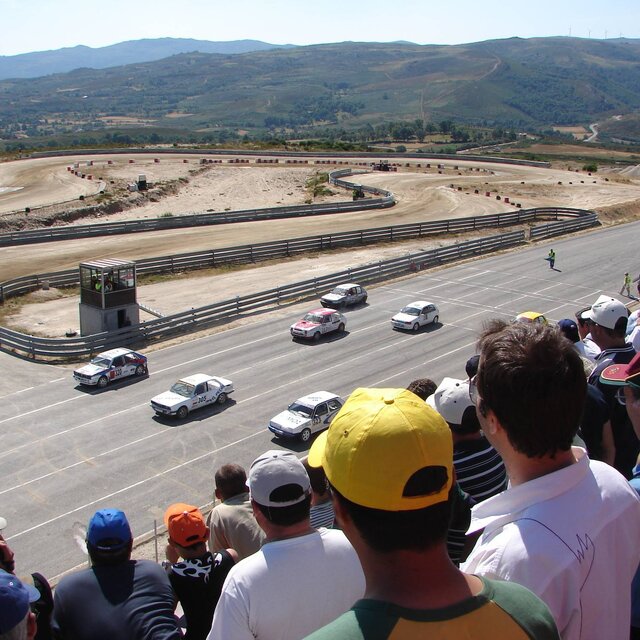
column 435, row 320
column 305, row 435
column 222, row 398
column 183, row 412
column 103, row 381
column 341, row 327
column 316, row 336
column 141, row 370
column 416, row 326
column 364, row 300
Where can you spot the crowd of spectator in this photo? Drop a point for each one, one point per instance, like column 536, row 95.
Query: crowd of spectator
column 503, row 504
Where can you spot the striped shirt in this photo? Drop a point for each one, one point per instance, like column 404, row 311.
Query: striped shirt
column 479, row 468
column 322, row 515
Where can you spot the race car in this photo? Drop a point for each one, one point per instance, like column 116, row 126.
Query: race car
column 306, row 416
column 415, row 315
column 191, row 393
column 531, row 316
column 316, row 323
column 111, row 365
column 344, row 295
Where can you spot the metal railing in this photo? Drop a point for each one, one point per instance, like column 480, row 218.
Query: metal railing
column 227, row 310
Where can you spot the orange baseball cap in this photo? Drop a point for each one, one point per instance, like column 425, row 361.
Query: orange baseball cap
column 185, row 524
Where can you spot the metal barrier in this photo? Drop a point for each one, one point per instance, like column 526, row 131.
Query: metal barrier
column 260, row 252
column 202, row 317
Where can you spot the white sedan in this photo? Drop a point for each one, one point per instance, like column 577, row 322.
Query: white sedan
column 190, row 393
column 415, row 315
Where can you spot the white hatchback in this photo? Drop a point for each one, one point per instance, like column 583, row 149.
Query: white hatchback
column 415, row 315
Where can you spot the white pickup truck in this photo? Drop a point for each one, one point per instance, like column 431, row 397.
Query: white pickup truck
column 190, row 393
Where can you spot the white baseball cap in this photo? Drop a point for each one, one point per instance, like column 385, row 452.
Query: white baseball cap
column 606, row 311
column 450, row 399
column 272, row 470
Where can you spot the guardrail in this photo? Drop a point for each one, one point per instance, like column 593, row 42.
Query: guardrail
column 202, row 317
column 78, row 232
column 290, row 154
column 542, row 231
column 261, row 252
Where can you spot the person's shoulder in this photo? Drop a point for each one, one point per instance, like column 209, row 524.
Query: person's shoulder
column 523, row 606
column 346, row 627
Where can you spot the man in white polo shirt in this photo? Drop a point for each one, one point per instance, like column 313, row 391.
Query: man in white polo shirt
column 567, row 527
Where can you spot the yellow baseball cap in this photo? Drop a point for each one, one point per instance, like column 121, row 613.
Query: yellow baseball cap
column 377, row 442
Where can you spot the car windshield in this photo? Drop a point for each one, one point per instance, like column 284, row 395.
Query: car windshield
column 300, row 409
column 339, row 291
column 183, row 389
column 313, row 317
column 101, row 362
column 410, row 311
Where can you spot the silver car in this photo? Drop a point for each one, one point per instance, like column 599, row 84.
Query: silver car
column 344, row 295
column 415, row 315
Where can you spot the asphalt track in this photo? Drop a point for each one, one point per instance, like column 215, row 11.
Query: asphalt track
column 67, row 451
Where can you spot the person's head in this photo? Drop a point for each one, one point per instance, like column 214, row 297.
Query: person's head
column 471, row 368
column 317, row 478
column 280, row 488
column 17, row 622
column 6, row 553
column 569, row 329
column 186, row 527
column 627, row 378
column 452, row 401
column 109, row 539
column 531, row 380
column 583, row 323
column 231, row 480
column 607, row 321
column 422, row 387
column 389, row 460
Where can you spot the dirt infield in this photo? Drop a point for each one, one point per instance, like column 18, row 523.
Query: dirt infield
column 422, row 194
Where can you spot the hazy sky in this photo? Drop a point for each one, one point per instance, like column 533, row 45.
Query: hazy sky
column 39, row 25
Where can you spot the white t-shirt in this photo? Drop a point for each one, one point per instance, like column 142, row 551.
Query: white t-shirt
column 289, row 588
column 573, row 538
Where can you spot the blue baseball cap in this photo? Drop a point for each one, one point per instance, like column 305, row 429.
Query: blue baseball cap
column 15, row 598
column 109, row 530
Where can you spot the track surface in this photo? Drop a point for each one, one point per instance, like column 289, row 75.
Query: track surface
column 67, row 451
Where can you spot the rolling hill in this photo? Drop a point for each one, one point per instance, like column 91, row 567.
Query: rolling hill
column 515, row 82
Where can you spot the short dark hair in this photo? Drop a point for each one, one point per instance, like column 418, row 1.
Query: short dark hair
column 387, row 531
column 103, row 558
column 231, row 480
column 423, row 387
column 619, row 330
column 317, row 478
column 290, row 515
column 533, row 380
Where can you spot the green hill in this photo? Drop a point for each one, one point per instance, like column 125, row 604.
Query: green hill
column 515, row 82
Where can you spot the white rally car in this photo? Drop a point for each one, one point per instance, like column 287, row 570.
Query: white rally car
column 415, row 315
column 306, row 415
column 190, row 393
column 111, row 365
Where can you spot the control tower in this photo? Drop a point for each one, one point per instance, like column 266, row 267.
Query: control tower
column 107, row 296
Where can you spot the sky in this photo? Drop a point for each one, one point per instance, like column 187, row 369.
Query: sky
column 41, row 25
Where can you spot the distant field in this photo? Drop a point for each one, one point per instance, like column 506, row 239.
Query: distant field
column 572, row 150
column 577, row 132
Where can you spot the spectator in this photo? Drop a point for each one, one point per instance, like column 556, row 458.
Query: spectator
column 479, row 469
column 116, row 597
column 17, row 621
column 591, row 348
column 607, row 320
column 301, row 578
column 232, row 523
column 471, row 368
column 7, row 562
column 567, row 528
column 422, row 387
column 633, row 330
column 389, row 460
column 627, row 379
column 586, row 348
column 197, row 580
column 321, row 512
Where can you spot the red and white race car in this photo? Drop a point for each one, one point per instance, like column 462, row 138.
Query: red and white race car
column 111, row 365
column 316, row 323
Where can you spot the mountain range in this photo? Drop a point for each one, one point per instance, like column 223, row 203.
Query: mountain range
column 537, row 82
